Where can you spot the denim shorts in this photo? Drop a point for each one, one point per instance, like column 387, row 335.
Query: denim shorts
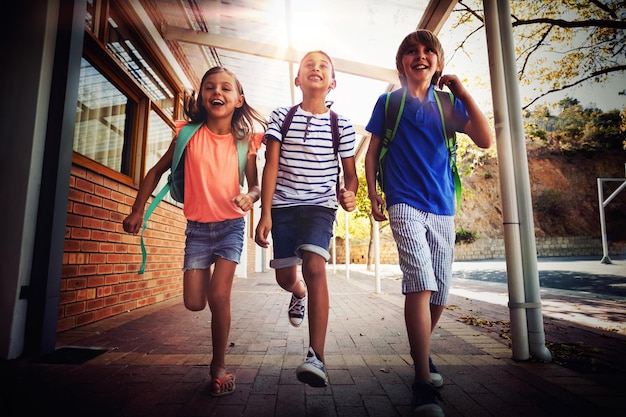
column 298, row 229
column 206, row 242
column 425, row 244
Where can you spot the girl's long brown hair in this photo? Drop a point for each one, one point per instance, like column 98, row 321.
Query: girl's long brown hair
column 244, row 117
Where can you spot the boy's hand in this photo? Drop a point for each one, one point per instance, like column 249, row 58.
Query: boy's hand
column 262, row 231
column 347, row 199
column 378, row 207
column 132, row 223
column 243, row 201
column 454, row 84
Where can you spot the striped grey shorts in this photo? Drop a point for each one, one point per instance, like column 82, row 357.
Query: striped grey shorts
column 425, row 244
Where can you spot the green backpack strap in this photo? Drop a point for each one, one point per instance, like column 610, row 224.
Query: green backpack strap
column 242, row 153
column 445, row 111
column 394, row 106
column 185, row 134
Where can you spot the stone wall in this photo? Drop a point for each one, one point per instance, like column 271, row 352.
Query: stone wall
column 492, row 249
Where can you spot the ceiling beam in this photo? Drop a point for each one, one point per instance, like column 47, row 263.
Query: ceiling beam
column 265, row 50
column 436, row 14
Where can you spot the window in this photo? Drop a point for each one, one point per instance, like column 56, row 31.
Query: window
column 102, row 115
column 159, row 138
column 126, row 103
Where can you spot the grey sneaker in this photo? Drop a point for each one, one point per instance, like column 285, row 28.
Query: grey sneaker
column 435, row 376
column 296, row 310
column 424, row 402
column 312, row 371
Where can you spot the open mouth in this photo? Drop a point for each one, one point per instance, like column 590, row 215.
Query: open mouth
column 217, row 102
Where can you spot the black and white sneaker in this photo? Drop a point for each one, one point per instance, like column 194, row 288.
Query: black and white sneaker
column 296, row 310
column 424, row 402
column 312, row 371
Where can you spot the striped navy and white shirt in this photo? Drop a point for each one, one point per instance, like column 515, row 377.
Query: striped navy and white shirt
column 308, row 167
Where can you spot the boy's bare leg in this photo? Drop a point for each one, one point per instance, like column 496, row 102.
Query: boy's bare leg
column 287, row 279
column 314, row 272
column 418, row 325
column 435, row 314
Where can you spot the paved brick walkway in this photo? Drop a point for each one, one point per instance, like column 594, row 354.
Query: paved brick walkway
column 156, row 362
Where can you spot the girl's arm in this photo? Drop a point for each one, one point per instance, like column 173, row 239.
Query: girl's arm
column 268, row 187
column 476, row 127
column 246, row 201
column 132, row 223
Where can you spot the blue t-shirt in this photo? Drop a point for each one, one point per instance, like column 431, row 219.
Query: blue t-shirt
column 417, row 166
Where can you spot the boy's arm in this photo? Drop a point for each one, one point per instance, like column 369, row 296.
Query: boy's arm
column 268, row 187
column 132, row 223
column 476, row 127
column 371, row 167
column 347, row 197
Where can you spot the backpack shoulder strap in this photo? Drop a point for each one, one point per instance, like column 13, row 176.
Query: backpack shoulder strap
column 445, row 105
column 284, row 128
column 185, row 134
column 334, row 127
column 242, row 153
column 394, row 106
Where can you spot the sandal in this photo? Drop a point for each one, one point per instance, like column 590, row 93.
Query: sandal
column 221, row 382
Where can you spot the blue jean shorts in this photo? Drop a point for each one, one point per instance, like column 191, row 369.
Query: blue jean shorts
column 298, row 229
column 206, row 242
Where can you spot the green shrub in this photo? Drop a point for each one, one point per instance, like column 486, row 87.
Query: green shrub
column 465, row 236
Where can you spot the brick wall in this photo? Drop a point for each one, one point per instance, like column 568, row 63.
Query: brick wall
column 493, row 249
column 100, row 260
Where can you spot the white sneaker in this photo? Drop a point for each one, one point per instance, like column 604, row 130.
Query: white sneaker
column 296, row 310
column 435, row 376
column 312, row 371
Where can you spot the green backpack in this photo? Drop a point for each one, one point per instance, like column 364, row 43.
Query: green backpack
column 176, row 179
column 394, row 106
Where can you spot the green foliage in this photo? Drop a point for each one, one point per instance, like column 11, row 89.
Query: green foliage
column 359, row 219
column 576, row 129
column 559, row 44
column 550, row 203
column 465, row 236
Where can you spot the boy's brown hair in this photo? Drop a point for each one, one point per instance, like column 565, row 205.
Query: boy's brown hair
column 426, row 38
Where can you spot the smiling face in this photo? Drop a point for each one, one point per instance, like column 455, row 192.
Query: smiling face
column 419, row 58
column 316, row 72
column 220, row 93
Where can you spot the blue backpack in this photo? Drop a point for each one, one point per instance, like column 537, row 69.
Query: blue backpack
column 176, row 179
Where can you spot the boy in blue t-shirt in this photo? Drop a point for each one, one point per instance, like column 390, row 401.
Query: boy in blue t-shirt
column 420, row 195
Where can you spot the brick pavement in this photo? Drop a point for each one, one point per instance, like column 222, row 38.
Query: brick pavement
column 156, row 364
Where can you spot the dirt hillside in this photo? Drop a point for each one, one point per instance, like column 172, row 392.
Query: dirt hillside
column 564, row 191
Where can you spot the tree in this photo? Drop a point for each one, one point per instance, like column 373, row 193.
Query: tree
column 559, row 44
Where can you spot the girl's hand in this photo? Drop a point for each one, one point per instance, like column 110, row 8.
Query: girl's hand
column 347, row 199
column 243, row 201
column 132, row 223
column 378, row 207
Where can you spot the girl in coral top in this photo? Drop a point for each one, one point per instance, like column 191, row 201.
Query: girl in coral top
column 214, row 203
